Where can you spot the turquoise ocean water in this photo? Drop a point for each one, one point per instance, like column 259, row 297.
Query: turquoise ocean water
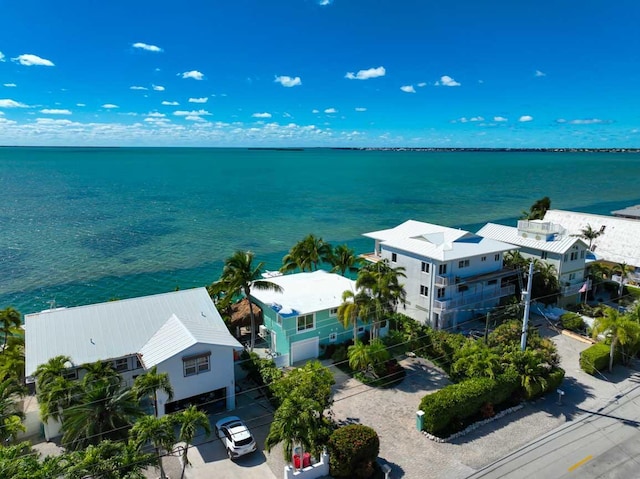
column 82, row 225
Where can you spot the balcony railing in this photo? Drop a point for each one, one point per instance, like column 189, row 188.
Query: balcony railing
column 466, row 299
column 574, row 288
column 442, row 280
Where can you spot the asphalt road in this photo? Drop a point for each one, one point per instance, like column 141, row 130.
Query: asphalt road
column 604, row 443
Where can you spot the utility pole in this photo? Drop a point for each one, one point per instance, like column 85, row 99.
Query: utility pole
column 526, row 296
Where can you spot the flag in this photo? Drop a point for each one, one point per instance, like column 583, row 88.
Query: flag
column 584, row 288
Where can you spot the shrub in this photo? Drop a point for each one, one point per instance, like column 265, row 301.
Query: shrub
column 551, row 383
column 572, row 322
column 445, row 410
column 596, row 358
column 340, row 354
column 353, row 451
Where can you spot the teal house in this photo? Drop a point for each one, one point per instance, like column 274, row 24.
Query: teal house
column 302, row 320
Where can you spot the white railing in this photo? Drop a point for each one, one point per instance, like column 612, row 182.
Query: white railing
column 442, row 280
column 540, row 228
column 465, row 299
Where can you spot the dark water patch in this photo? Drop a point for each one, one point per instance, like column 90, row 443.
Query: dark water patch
column 13, row 264
column 414, row 201
column 118, row 240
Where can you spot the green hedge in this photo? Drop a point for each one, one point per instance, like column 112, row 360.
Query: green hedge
column 596, row 358
column 572, row 322
column 454, row 403
column 353, row 451
column 552, row 382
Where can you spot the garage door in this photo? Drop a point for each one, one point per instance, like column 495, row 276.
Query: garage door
column 301, row 350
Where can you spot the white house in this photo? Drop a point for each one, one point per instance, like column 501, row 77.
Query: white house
column 551, row 244
column 452, row 275
column 303, row 317
column 180, row 332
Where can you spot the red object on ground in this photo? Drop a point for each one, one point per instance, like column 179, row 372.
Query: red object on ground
column 296, row 461
column 306, row 459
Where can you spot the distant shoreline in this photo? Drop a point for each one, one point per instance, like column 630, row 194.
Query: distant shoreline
column 346, row 148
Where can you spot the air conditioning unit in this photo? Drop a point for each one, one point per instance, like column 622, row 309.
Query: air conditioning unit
column 263, row 331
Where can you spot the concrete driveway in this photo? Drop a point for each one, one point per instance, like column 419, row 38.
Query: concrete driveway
column 209, row 459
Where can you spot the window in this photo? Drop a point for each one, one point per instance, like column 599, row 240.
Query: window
column 394, row 257
column 333, row 337
column 305, row 322
column 425, row 267
column 496, row 257
column 333, row 312
column 463, row 263
column 442, row 269
column 360, row 329
column 279, row 319
column 574, row 255
column 424, row 290
column 462, row 288
column 566, row 257
column 491, row 282
column 582, row 254
column 544, row 254
column 138, row 363
column 196, row 364
column 441, row 293
column 484, row 258
column 572, row 276
column 70, row 374
column 121, row 364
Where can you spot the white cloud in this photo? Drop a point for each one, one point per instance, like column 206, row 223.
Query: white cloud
column 359, row 108
column 194, row 118
column 191, row 113
column 1, row 113
column 137, row 88
column 329, row 111
column 324, row 3
column 147, row 47
column 586, row 121
column 9, row 85
column 422, row 84
column 8, row 103
column 367, row 74
column 476, row 118
column 538, row 73
column 110, row 106
column 155, row 114
column 199, row 100
column 80, row 104
column 54, row 111
column 446, row 80
column 195, row 74
column 262, row 115
column 315, row 111
column 408, row 89
column 288, row 81
column 27, row 59
column 525, row 118
column 2, row 57
column 170, row 103
column 499, row 118
column 158, row 88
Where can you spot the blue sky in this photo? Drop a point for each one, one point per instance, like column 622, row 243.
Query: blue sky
column 465, row 73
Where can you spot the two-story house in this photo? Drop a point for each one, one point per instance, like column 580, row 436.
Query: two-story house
column 180, row 332
column 550, row 243
column 303, row 317
column 451, row 275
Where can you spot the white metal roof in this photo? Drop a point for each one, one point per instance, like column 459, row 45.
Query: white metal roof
column 509, row 234
column 117, row 328
column 632, row 212
column 305, row 293
column 437, row 242
column 620, row 241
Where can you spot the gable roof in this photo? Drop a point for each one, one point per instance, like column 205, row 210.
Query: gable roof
column 509, row 234
column 619, row 243
column 305, row 293
column 103, row 331
column 437, row 242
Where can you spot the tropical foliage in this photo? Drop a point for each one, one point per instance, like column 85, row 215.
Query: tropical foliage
column 10, row 413
column 343, row 260
column 538, row 209
column 190, row 421
column 148, row 384
column 589, row 234
column 307, row 255
column 159, row 432
column 354, row 307
column 239, row 276
column 353, row 451
column 618, row 328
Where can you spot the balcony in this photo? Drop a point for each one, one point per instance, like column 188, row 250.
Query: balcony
column 574, row 288
column 442, row 281
column 371, row 257
column 468, row 299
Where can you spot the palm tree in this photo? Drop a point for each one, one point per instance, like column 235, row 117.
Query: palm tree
column 307, row 254
column 623, row 269
column 10, row 414
column 148, row 385
column 618, row 328
column 354, row 306
column 55, row 392
column 159, row 432
column 589, row 234
column 294, row 422
column 12, row 361
column 104, row 410
column 344, row 259
column 474, row 360
column 537, row 209
column 190, row 420
column 98, row 370
column 239, row 276
column 9, row 322
column 108, row 460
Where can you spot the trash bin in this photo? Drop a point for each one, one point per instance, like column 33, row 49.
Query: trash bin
column 296, row 461
column 306, row 459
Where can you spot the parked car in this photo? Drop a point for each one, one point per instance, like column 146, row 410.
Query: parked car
column 235, row 436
